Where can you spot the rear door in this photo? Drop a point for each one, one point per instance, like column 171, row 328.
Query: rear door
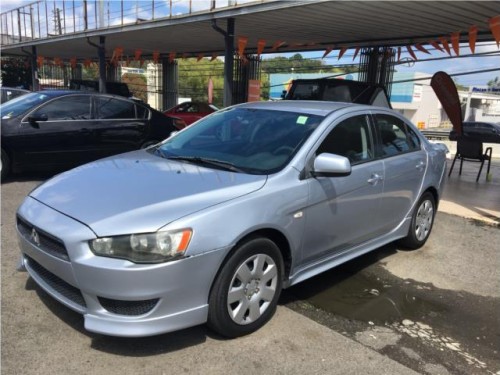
column 405, row 163
column 121, row 125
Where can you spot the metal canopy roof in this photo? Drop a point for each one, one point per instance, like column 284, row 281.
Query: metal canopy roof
column 298, row 23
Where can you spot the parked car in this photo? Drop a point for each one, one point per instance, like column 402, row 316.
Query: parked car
column 61, row 129
column 488, row 132
column 338, row 90
column 211, row 224
column 8, row 93
column 190, row 112
column 115, row 88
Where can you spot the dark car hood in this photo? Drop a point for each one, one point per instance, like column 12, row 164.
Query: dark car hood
column 140, row 192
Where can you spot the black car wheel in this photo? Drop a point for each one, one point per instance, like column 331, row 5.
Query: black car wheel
column 246, row 291
column 5, row 164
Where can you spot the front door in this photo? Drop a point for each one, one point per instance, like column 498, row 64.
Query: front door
column 343, row 211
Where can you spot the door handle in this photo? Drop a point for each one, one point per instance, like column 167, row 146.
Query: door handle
column 420, row 166
column 375, row 178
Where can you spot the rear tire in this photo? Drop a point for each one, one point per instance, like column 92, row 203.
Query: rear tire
column 246, row 291
column 421, row 222
column 5, row 165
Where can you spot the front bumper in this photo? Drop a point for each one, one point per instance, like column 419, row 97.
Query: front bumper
column 116, row 297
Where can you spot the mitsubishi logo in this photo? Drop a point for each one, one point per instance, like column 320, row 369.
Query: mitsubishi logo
column 34, row 237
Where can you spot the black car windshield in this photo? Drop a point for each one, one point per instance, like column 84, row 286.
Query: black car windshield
column 250, row 140
column 22, row 104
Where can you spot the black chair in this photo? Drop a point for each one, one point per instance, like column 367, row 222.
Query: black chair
column 469, row 149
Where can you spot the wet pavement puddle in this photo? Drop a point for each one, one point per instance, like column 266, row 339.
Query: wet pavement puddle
column 361, row 298
column 452, row 332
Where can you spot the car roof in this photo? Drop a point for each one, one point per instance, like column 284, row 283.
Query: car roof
column 313, row 107
column 59, row 92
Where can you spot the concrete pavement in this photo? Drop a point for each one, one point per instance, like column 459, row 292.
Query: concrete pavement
column 465, row 197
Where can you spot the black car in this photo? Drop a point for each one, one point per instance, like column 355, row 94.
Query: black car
column 338, row 90
column 487, row 132
column 9, row 93
column 61, row 129
column 115, row 88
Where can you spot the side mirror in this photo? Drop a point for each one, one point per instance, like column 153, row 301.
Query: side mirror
column 33, row 120
column 331, row 165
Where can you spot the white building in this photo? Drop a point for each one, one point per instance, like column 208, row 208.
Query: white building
column 416, row 100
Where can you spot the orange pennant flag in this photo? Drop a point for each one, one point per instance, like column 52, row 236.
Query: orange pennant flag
column 117, row 55
column 277, row 45
column 455, row 42
column 39, row 61
column 436, row 45
column 341, row 52
column 261, row 44
column 58, row 61
column 87, row 62
column 200, row 56
column 171, row 56
column 356, row 53
column 421, row 48
column 156, row 56
column 242, row 44
column 214, row 56
column 72, row 62
column 472, row 38
column 328, row 50
column 137, row 54
column 410, row 51
column 445, row 44
column 495, row 28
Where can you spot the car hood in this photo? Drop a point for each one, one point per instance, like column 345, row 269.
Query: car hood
column 140, row 192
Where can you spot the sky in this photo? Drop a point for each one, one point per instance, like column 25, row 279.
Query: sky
column 451, row 66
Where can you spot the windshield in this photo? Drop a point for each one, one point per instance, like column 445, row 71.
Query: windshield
column 249, row 140
column 22, row 104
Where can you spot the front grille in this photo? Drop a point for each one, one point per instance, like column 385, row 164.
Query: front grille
column 128, row 307
column 46, row 242
column 60, row 286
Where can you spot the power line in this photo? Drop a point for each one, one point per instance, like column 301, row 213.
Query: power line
column 451, row 75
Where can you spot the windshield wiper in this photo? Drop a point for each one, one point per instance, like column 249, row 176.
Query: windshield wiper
column 213, row 162
column 160, row 152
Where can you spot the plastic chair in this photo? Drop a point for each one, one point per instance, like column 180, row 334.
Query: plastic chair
column 469, row 149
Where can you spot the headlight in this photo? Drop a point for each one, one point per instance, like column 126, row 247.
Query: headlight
column 144, row 247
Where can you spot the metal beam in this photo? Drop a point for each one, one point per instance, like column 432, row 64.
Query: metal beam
column 228, row 59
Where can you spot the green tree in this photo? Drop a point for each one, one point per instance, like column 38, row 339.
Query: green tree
column 16, row 72
column 137, row 85
column 194, row 77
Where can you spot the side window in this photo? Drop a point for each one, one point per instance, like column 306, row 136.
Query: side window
column 350, row 138
column 395, row 136
column 142, row 112
column 112, row 108
column 66, row 108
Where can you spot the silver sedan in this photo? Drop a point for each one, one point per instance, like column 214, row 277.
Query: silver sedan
column 209, row 225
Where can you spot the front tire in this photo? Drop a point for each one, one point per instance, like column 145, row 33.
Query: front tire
column 246, row 291
column 421, row 222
